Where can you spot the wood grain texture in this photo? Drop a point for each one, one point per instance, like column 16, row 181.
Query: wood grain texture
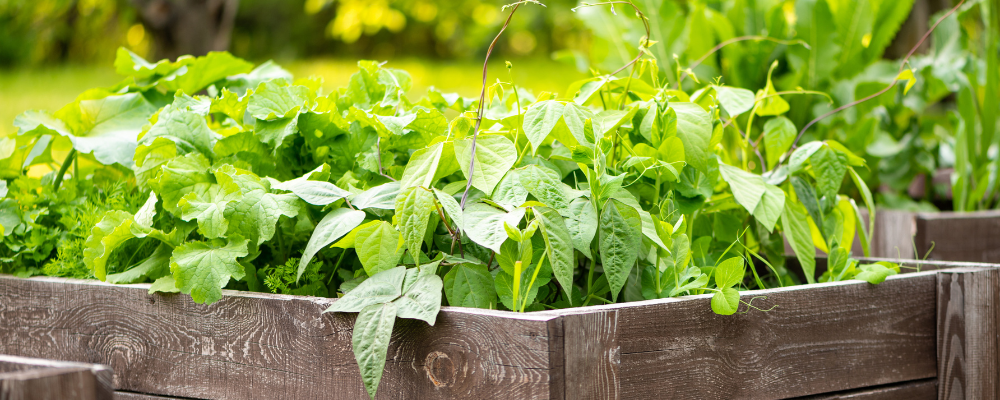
column 592, row 355
column 69, row 383
column 821, row 338
column 967, row 333
column 29, row 378
column 972, row 236
column 924, row 389
column 141, row 396
column 893, row 237
column 260, row 346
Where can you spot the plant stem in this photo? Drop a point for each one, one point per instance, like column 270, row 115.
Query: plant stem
column 534, row 276
column 517, row 283
column 335, row 267
column 482, row 102
column 62, row 170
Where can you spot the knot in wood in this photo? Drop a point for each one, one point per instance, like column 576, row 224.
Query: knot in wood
column 440, row 369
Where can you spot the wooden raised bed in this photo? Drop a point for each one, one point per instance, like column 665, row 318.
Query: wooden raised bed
column 23, row 378
column 971, row 236
column 929, row 334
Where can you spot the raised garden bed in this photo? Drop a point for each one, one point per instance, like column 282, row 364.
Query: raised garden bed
column 924, row 334
column 23, row 378
column 969, row 236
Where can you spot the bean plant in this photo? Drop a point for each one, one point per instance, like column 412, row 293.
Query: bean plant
column 208, row 173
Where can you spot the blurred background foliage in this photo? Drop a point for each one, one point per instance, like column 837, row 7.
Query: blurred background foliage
column 51, row 50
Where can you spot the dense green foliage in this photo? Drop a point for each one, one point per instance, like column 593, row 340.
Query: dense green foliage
column 209, row 173
column 259, row 182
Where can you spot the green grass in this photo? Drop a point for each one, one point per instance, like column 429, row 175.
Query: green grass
column 54, row 87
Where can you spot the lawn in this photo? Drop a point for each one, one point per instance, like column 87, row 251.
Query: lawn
column 52, row 87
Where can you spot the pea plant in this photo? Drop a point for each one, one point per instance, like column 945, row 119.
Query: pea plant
column 623, row 188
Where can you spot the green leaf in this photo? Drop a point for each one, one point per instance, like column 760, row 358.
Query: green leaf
column 495, row 154
column 866, row 195
column 413, row 210
column 395, row 125
column 164, row 284
column 545, row 185
column 769, row 209
column 429, row 164
column 649, row 227
column 890, row 15
column 726, row 301
column 188, row 131
column 769, row 102
column 379, row 247
column 202, row 269
column 816, row 26
column 380, row 288
column 421, row 299
column 197, row 104
column 149, row 158
column 154, row 267
column 620, row 233
column 429, row 122
column 510, row 192
column 875, row 273
column 484, row 224
column 180, row 176
column 735, row 101
column 333, row 226
column 609, row 120
column 451, row 208
column 540, row 119
column 796, row 227
column 575, row 118
column 807, row 196
column 581, row 222
column 10, row 217
column 729, row 273
column 829, row 167
column 273, row 100
column 274, row 132
column 205, row 71
column 114, row 229
column 381, row 197
column 748, row 188
column 470, row 285
column 207, row 203
column 314, row 192
column 128, row 63
column 370, row 341
column 694, row 128
column 801, row 155
column 106, row 127
column 779, row 132
column 268, row 71
column 559, row 247
column 256, row 214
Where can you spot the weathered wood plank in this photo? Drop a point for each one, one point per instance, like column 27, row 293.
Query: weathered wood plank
column 21, row 376
column 972, row 236
column 141, row 396
column 592, row 355
column 924, row 389
column 819, row 339
column 70, row 383
column 260, row 346
column 893, row 237
column 967, row 333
